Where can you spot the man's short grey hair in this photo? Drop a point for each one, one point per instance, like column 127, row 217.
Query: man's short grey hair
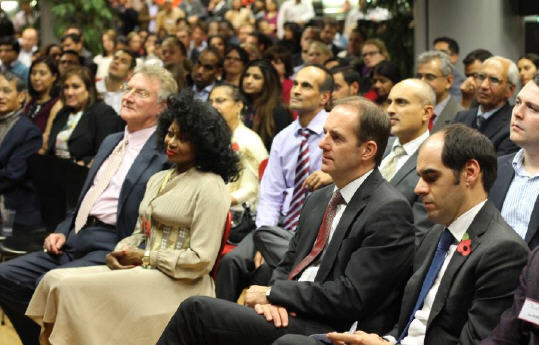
column 167, row 83
column 19, row 82
column 446, row 68
column 512, row 69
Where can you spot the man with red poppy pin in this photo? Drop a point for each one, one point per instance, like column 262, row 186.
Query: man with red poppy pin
column 467, row 265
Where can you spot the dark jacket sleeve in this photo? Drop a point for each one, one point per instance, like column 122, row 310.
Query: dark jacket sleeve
column 25, row 140
column 511, row 330
column 379, row 265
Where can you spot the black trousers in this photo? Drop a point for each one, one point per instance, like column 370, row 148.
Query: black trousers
column 237, row 269
column 19, row 278
column 211, row 321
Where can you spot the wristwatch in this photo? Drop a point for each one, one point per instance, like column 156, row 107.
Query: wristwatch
column 146, row 259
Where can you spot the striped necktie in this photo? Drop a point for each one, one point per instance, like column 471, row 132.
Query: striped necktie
column 302, row 171
column 322, row 237
column 391, row 167
column 109, row 170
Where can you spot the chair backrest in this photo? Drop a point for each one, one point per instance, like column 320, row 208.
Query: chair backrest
column 226, row 234
column 262, row 168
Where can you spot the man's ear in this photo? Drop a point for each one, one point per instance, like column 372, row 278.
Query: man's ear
column 370, row 148
column 355, row 88
column 21, row 97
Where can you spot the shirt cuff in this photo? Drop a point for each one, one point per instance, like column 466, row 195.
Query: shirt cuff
column 390, row 338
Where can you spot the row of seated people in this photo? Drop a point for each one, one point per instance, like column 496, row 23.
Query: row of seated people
column 311, row 93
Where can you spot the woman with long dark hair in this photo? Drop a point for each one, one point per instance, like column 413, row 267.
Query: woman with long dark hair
column 267, row 114
column 43, row 88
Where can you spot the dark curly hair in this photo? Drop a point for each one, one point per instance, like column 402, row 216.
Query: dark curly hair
column 209, row 133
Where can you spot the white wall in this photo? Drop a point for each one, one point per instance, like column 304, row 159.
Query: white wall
column 488, row 24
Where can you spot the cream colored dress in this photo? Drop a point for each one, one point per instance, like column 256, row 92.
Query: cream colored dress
column 96, row 305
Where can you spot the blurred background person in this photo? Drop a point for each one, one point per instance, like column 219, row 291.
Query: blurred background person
column 83, row 122
column 267, row 113
column 384, row 76
column 527, row 67
column 281, row 59
column 103, row 60
column 234, row 63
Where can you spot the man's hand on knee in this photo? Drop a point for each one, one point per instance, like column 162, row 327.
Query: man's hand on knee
column 256, row 294
column 54, row 243
column 277, row 314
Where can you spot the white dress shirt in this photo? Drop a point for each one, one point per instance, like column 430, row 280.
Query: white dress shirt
column 347, row 193
column 418, row 326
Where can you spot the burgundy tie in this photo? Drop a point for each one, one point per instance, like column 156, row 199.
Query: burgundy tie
column 323, row 235
column 302, row 171
column 431, row 121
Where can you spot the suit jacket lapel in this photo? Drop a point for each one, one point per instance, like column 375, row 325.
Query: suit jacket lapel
column 506, row 173
column 477, row 228
column 534, row 222
column 310, row 227
column 142, row 162
column 101, row 156
column 447, row 115
column 351, row 212
column 408, row 167
column 496, row 121
column 422, row 264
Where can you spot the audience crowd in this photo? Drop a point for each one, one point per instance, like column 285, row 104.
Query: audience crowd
column 360, row 206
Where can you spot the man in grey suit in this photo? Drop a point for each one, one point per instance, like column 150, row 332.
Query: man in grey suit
column 346, row 262
column 467, row 266
column 435, row 68
column 110, row 214
column 410, row 105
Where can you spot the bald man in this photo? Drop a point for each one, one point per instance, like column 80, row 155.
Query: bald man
column 28, row 41
column 411, row 103
column 496, row 83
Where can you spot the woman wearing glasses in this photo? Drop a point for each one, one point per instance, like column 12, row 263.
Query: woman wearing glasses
column 169, row 255
column 235, row 60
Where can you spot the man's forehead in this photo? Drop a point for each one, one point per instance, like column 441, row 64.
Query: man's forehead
column 495, row 67
column 530, row 92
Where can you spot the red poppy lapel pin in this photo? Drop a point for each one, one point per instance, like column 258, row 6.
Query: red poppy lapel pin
column 465, row 245
column 235, row 147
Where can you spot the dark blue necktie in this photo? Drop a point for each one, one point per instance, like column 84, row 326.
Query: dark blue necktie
column 439, row 256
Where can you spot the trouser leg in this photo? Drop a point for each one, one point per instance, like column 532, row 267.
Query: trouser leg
column 235, row 270
column 209, row 321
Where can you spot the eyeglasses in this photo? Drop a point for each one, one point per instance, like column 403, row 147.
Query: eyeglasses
column 367, row 54
column 139, row 93
column 428, row 76
column 481, row 77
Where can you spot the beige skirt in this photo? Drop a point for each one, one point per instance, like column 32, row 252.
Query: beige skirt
column 96, row 305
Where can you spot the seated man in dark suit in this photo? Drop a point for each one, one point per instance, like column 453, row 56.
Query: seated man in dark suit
column 108, row 205
column 518, row 324
column 496, row 83
column 346, row 262
column 467, row 267
column 516, row 190
column 19, row 139
column 410, row 105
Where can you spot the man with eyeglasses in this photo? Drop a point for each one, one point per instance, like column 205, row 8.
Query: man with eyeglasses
column 496, row 83
column 205, row 71
column 435, row 69
column 472, row 65
column 107, row 209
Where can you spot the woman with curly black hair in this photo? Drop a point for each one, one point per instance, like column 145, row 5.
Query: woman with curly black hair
column 180, row 227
